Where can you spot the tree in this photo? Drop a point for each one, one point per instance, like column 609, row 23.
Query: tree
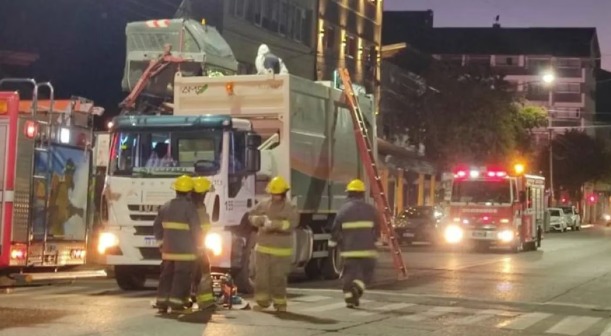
column 577, row 159
column 470, row 116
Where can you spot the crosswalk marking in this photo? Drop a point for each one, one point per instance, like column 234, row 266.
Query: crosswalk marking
column 320, row 304
column 525, row 321
column 573, row 325
column 332, row 306
column 607, row 331
column 311, row 298
column 388, row 307
column 472, row 319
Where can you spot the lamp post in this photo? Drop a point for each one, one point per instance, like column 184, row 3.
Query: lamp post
column 548, row 78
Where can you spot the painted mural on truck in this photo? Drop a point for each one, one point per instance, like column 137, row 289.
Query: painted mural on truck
column 68, row 184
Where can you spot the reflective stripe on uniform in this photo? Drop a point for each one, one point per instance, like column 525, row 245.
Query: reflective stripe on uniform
column 348, row 295
column 206, row 226
column 275, row 251
column 286, row 225
column 359, row 254
column 178, row 256
column 357, row 225
column 175, row 226
column 205, row 297
column 332, row 243
column 279, row 301
column 178, row 301
column 360, row 284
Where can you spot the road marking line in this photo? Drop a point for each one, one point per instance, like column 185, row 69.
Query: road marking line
column 607, row 331
column 311, row 298
column 472, row 319
column 573, row 325
column 432, row 313
column 388, row 307
column 328, row 307
column 525, row 321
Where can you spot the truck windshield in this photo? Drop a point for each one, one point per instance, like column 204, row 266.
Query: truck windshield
column 167, row 153
column 479, row 191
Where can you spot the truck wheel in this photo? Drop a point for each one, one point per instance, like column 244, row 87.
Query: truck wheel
column 539, row 236
column 332, row 266
column 245, row 276
column 313, row 269
column 129, row 279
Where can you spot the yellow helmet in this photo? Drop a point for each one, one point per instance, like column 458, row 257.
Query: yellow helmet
column 356, row 185
column 201, row 184
column 183, row 184
column 277, row 186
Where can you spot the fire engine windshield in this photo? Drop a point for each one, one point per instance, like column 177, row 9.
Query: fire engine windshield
column 480, row 191
column 167, row 154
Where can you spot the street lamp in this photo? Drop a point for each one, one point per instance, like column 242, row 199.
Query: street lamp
column 548, row 78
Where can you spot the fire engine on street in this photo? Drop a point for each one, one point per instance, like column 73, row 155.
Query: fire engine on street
column 45, row 185
column 491, row 207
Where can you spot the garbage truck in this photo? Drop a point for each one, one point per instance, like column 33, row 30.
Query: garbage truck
column 239, row 131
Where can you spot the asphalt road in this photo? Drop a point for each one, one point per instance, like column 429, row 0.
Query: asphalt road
column 563, row 289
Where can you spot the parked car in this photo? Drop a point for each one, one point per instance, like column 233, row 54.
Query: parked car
column 574, row 220
column 558, row 220
column 418, row 223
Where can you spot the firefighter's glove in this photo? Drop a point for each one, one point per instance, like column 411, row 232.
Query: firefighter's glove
column 257, row 221
column 267, row 223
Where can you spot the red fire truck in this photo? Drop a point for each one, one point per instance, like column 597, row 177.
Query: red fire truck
column 45, row 198
column 494, row 207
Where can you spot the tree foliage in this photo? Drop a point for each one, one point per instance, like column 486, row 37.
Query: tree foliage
column 470, row 115
column 577, row 159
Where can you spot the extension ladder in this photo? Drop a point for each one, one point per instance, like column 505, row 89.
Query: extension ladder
column 368, row 156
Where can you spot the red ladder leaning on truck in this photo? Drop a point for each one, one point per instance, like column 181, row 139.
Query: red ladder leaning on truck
column 366, row 153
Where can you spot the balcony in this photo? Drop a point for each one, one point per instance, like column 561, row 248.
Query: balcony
column 568, row 97
column 537, row 96
column 569, row 72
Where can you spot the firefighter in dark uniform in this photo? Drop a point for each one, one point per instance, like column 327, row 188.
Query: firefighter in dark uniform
column 178, row 233
column 276, row 218
column 355, row 231
column 202, row 279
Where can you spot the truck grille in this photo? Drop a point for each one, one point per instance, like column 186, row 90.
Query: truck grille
column 143, row 212
column 144, row 230
column 150, row 253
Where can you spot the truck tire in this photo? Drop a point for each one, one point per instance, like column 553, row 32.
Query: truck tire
column 244, row 277
column 332, row 266
column 313, row 269
column 129, row 279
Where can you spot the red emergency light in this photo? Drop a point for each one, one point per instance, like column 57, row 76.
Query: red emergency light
column 30, row 129
column 475, row 173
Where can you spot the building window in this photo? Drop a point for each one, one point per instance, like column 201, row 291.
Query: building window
column 328, row 40
column 567, row 88
column 257, row 12
column 236, row 8
column 479, row 59
column 298, row 23
column 565, row 113
column 501, row 60
column 568, row 63
column 284, row 18
column 351, row 47
column 538, row 63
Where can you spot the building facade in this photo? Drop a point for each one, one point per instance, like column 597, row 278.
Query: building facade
column 524, row 56
column 350, row 35
column 288, row 27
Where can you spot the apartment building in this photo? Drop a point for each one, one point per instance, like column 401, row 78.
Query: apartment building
column 525, row 56
column 288, row 27
column 350, row 35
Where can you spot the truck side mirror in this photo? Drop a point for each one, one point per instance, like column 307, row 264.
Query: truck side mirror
column 253, row 155
column 522, row 197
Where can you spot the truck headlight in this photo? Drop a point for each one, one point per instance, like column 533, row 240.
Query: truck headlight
column 505, row 236
column 214, row 243
column 607, row 217
column 106, row 241
column 453, row 234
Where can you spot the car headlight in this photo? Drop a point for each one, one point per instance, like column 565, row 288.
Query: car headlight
column 106, row 241
column 453, row 234
column 607, row 217
column 505, row 236
column 214, row 243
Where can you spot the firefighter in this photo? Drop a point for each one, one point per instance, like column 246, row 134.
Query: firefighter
column 202, row 279
column 178, row 233
column 276, row 219
column 355, row 230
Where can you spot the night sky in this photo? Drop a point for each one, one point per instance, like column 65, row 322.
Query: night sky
column 81, row 43
column 519, row 13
